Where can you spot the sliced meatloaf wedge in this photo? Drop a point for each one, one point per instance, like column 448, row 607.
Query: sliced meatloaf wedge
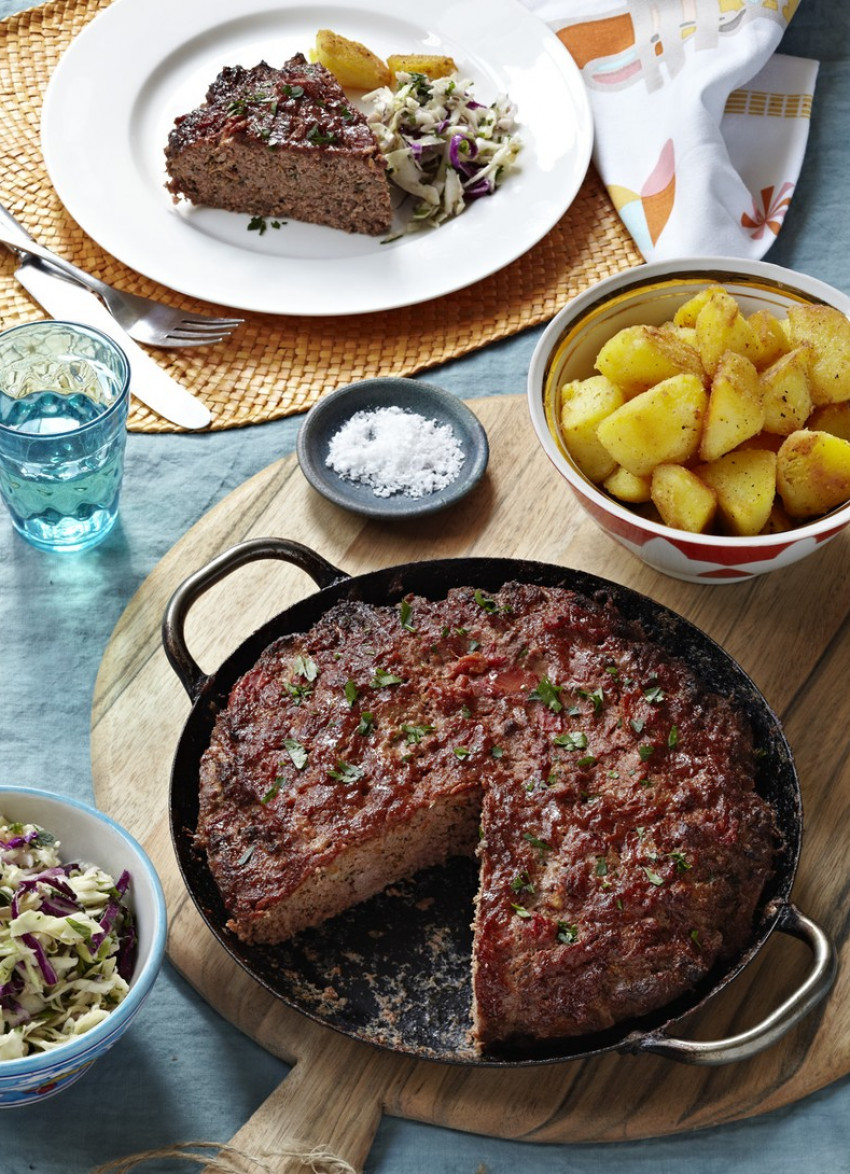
column 283, row 143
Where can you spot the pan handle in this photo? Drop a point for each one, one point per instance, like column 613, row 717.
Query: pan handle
column 181, row 660
column 763, row 1035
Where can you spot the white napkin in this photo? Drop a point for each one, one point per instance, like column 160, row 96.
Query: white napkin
column 700, row 127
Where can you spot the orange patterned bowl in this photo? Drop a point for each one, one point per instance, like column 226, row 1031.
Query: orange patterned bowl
column 650, row 295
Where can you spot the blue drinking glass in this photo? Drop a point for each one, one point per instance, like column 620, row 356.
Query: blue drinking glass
column 64, row 396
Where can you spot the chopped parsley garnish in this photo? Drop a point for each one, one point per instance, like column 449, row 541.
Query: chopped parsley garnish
column 596, row 698
column 406, row 611
column 366, row 724
column 601, row 866
column 522, row 883
column 319, row 137
column 346, row 773
column 682, row 864
column 521, row 911
column 533, row 783
column 288, row 91
column 246, row 856
column 351, row 692
column 646, row 751
column 422, row 86
column 305, row 666
column 652, row 876
column 259, row 224
column 383, row 678
column 654, row 694
column 567, row 933
column 297, row 692
column 239, row 106
column 82, row 929
column 548, row 693
column 489, row 605
column 673, row 737
column 536, row 842
column 414, row 734
column 272, row 791
column 296, row 752
column 461, row 752
column 572, row 741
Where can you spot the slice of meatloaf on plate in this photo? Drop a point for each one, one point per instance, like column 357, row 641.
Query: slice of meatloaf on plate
column 284, row 143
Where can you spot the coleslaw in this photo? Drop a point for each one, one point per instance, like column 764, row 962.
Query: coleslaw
column 442, row 146
column 67, row 942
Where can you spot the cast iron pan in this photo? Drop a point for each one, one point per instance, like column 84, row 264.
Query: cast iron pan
column 394, row 971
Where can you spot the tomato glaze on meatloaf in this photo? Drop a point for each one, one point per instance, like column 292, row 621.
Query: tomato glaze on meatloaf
column 610, row 798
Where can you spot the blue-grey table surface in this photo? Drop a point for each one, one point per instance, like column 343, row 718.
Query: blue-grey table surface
column 183, row 1072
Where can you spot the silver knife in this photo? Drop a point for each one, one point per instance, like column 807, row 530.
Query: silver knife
column 148, row 382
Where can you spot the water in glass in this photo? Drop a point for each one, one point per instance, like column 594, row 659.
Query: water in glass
column 62, row 439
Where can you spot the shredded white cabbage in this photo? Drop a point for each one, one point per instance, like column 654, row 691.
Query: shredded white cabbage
column 442, row 146
column 66, row 943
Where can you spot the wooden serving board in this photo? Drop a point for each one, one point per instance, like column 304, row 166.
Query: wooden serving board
column 788, row 630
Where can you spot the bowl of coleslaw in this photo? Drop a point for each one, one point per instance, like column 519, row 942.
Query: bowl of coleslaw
column 82, row 939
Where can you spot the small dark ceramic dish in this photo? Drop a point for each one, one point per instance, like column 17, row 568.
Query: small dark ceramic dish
column 325, row 419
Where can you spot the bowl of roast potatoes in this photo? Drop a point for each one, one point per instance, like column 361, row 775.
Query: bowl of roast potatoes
column 700, row 412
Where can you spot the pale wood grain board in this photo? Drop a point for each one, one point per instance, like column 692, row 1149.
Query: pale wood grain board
column 788, row 630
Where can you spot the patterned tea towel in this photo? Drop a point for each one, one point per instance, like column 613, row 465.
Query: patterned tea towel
column 700, row 125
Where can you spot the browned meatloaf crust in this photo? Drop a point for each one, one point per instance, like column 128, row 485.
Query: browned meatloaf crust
column 622, row 847
column 284, row 143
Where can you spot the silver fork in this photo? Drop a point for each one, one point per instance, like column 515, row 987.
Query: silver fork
column 142, row 318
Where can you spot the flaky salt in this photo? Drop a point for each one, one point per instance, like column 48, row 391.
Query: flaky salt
column 396, row 451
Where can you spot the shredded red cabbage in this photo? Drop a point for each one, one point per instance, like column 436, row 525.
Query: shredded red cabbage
column 49, row 974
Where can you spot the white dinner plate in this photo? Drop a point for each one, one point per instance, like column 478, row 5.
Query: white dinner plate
column 117, row 89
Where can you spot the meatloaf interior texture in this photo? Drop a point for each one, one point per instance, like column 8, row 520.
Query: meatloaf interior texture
column 610, row 799
column 281, row 143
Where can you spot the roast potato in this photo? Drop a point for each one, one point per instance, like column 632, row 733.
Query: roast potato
column 813, row 473
column 786, row 392
column 584, row 404
column 745, row 484
column 663, row 424
column 432, row 65
column 735, row 411
column 638, row 357
column 771, row 340
column 826, row 332
column 834, row 418
column 721, row 326
column 627, row 487
column 353, row 65
column 682, row 499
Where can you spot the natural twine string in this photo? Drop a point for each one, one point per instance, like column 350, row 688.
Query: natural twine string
column 221, row 1158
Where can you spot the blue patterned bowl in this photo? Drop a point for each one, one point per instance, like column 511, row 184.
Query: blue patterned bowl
column 87, row 835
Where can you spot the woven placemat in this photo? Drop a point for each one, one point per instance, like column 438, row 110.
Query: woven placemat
column 278, row 365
